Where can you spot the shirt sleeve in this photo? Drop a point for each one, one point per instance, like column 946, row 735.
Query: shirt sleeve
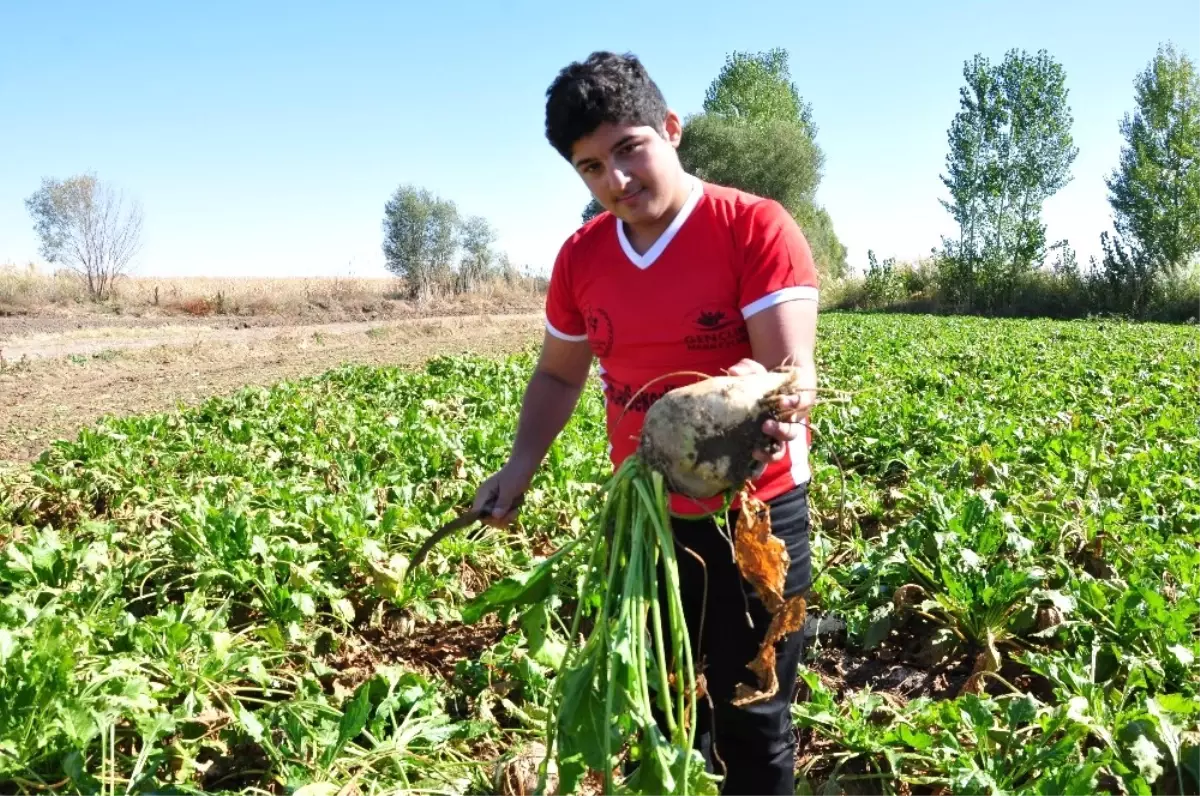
column 563, row 318
column 777, row 262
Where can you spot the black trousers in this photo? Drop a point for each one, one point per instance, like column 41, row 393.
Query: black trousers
column 754, row 745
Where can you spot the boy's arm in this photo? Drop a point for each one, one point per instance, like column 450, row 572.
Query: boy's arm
column 784, row 336
column 779, row 292
column 550, row 398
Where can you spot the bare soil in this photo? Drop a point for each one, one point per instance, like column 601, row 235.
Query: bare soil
column 13, row 327
column 90, row 322
column 54, row 383
column 433, row 650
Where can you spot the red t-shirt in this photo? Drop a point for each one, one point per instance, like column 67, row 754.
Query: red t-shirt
column 680, row 306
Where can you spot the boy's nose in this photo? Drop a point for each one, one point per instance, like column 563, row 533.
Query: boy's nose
column 617, row 181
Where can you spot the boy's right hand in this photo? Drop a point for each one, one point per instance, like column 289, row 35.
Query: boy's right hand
column 503, row 489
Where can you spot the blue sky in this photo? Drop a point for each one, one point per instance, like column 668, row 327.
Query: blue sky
column 264, row 138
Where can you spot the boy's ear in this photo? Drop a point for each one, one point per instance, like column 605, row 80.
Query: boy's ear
column 672, row 128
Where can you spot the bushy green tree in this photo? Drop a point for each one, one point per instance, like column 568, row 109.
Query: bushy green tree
column 884, row 282
column 1155, row 190
column 758, row 87
column 1010, row 150
column 420, row 238
column 477, row 237
column 593, row 209
column 756, row 133
column 773, row 158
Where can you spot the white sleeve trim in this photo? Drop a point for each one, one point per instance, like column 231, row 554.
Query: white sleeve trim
column 794, row 293
column 570, row 338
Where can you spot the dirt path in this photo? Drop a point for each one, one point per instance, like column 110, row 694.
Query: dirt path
column 89, row 341
column 67, row 380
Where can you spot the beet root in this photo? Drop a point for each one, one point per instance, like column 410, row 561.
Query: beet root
column 702, row 436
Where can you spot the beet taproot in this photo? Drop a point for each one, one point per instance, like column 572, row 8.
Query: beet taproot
column 702, row 436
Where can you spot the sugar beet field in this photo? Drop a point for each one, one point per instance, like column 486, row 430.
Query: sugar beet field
column 1006, row 531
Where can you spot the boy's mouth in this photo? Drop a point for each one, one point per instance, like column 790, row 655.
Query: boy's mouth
column 627, row 198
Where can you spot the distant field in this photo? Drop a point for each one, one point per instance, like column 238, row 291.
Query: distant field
column 55, row 381
column 212, row 601
column 28, row 292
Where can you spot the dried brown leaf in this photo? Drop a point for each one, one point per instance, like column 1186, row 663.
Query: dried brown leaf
column 761, row 557
column 763, row 560
column 788, row 620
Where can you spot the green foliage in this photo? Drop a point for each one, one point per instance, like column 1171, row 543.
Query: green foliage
column 757, row 87
column 434, row 248
column 772, row 158
column 1155, row 190
column 1060, row 290
column 477, row 237
column 420, row 238
column 757, row 134
column 1010, row 150
column 214, row 589
column 1023, row 501
column 217, row 599
column 884, row 284
column 593, row 209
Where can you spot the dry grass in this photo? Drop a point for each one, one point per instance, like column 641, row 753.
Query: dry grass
column 48, row 398
column 28, row 287
column 29, row 291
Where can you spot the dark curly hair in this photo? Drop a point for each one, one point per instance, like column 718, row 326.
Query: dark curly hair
column 605, row 88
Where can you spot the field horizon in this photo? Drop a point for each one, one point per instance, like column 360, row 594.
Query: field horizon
column 29, row 291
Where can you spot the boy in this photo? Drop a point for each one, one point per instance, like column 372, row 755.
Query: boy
column 678, row 274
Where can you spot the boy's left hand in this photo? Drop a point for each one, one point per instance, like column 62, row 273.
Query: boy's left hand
column 795, row 407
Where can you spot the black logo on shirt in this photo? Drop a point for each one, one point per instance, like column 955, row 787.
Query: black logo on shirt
column 599, row 331
column 635, row 400
column 714, row 326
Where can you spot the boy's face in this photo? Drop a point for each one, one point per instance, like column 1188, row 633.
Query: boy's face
column 633, row 171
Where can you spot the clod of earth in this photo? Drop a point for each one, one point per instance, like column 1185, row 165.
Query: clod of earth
column 516, row 773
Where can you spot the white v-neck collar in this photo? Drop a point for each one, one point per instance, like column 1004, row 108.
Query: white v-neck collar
column 644, row 261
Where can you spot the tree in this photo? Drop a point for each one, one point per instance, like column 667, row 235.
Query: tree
column 772, row 158
column 1010, row 150
column 1155, row 191
column 828, row 252
column 477, row 237
column 85, row 226
column 756, row 134
column 755, row 87
column 444, row 238
column 593, row 209
column 420, row 238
